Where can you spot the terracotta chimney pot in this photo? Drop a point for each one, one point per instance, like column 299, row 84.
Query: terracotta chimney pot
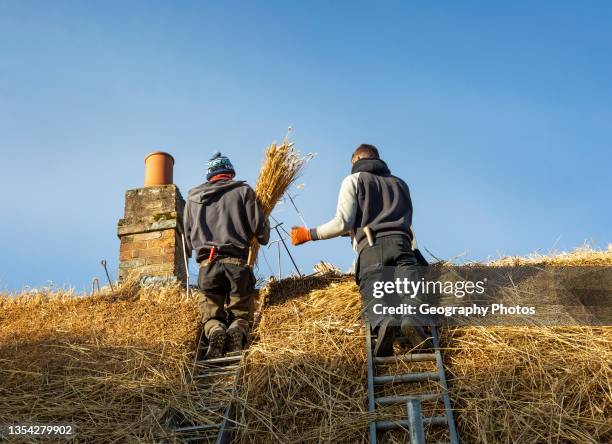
column 158, row 169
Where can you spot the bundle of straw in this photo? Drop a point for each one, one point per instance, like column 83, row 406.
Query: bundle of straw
column 282, row 165
column 305, row 376
column 304, row 380
column 112, row 364
column 532, row 384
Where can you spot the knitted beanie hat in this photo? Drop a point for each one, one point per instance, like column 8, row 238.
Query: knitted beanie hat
column 219, row 164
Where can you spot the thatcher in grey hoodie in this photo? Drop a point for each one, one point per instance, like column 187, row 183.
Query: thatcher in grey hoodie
column 226, row 215
column 370, row 197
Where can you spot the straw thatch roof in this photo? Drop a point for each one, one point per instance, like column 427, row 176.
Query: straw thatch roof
column 113, row 365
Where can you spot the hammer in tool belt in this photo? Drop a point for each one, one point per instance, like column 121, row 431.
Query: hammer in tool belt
column 370, row 235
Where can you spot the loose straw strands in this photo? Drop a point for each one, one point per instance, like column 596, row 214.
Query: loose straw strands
column 111, row 365
column 305, row 377
column 532, row 384
column 282, row 165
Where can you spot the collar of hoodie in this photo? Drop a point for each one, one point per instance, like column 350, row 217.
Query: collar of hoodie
column 374, row 166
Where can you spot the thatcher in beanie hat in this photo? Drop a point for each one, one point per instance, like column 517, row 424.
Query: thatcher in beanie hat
column 219, row 164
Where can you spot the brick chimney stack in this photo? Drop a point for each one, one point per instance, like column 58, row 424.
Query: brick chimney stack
column 150, row 231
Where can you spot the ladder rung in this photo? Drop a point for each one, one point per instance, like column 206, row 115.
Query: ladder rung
column 412, row 357
column 216, row 366
column 391, row 400
column 218, row 369
column 229, row 357
column 407, row 377
column 404, row 423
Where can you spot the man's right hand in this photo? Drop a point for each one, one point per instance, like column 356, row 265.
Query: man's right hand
column 300, row 235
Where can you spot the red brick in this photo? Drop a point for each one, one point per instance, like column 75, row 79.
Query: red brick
column 160, row 243
column 149, row 252
column 172, row 249
column 154, row 260
column 153, row 243
column 139, row 245
column 168, row 234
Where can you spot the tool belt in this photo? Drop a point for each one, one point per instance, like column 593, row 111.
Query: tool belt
column 225, row 260
column 372, row 238
column 373, row 235
column 224, row 255
column 230, row 260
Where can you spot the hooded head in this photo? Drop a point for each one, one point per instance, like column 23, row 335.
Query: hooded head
column 219, row 164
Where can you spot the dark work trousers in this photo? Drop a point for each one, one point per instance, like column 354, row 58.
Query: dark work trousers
column 228, row 296
column 388, row 251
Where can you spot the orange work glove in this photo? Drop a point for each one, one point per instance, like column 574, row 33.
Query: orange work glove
column 299, row 235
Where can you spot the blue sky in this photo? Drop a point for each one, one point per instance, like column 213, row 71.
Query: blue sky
column 497, row 115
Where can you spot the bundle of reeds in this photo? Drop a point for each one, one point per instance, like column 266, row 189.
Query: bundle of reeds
column 305, row 372
column 111, row 365
column 281, row 166
column 305, row 378
column 532, row 385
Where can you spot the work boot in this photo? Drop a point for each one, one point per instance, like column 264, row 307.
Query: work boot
column 235, row 340
column 384, row 340
column 216, row 343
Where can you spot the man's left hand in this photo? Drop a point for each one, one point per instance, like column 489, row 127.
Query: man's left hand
column 300, row 235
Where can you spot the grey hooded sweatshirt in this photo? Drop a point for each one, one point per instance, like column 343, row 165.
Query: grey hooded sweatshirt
column 226, row 215
column 371, row 196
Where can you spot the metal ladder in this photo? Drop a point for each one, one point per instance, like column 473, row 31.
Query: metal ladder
column 414, row 421
column 206, row 374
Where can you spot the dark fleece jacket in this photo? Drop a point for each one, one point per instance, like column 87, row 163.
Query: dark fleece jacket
column 224, row 214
